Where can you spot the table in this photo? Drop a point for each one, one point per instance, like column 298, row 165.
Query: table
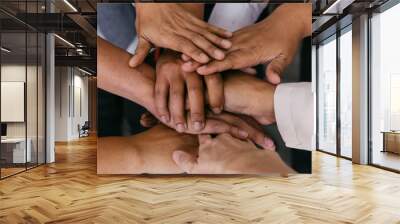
column 13, row 150
column 391, row 141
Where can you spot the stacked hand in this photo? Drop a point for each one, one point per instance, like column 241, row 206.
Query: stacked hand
column 273, row 41
column 178, row 27
column 188, row 78
column 225, row 154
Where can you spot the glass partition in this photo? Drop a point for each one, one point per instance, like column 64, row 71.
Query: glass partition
column 327, row 95
column 23, row 90
column 14, row 153
column 385, row 89
column 346, row 93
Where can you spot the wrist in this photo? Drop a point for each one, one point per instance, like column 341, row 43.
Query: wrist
column 257, row 161
column 265, row 114
column 251, row 162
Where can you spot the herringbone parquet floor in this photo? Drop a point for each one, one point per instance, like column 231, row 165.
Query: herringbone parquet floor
column 69, row 191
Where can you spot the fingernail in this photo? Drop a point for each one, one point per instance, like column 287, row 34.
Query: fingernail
column 243, row 134
column 217, row 110
column 219, row 54
column 198, row 126
column 268, row 142
column 228, row 33
column 204, row 57
column 180, row 127
column 164, row 119
column 202, row 69
column 226, row 43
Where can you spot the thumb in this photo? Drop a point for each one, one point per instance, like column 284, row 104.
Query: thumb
column 275, row 69
column 142, row 50
column 184, row 161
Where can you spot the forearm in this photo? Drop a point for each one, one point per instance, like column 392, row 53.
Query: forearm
column 296, row 13
column 147, row 152
column 131, row 155
column 245, row 94
column 115, row 76
column 118, row 155
column 259, row 162
column 196, row 9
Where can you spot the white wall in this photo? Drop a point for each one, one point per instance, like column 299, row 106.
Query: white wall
column 71, row 87
column 33, row 126
column 16, row 73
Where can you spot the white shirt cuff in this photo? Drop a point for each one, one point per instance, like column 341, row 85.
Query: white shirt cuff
column 294, row 113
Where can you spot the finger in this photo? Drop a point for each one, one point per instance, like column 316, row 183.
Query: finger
column 215, row 92
column 211, row 28
column 185, row 57
column 219, row 31
column 177, row 103
column 217, row 66
column 148, row 120
column 184, row 161
column 275, row 69
column 204, row 138
column 190, row 66
column 240, row 128
column 204, row 44
column 215, row 39
column 141, row 52
column 214, row 126
column 161, row 99
column 223, row 43
column 249, row 70
column 228, row 136
column 196, row 100
column 187, row 47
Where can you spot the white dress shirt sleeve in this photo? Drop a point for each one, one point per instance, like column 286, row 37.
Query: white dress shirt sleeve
column 234, row 16
column 294, row 113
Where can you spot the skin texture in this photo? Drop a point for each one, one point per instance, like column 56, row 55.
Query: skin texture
column 243, row 94
column 161, row 150
column 173, row 84
column 147, row 152
column 225, row 154
column 137, row 85
column 273, row 41
column 178, row 27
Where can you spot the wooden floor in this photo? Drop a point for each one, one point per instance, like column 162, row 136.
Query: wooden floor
column 69, row 191
column 387, row 159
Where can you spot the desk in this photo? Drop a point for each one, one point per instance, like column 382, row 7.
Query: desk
column 13, row 150
column 391, row 141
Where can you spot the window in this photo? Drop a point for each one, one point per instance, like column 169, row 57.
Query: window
column 385, row 89
column 22, row 77
column 346, row 75
column 327, row 96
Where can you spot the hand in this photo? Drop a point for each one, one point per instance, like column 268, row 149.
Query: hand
column 245, row 94
column 170, row 93
column 173, row 26
column 240, row 127
column 116, row 77
column 225, row 154
column 274, row 41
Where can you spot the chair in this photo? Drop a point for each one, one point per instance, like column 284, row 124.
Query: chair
column 84, row 130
